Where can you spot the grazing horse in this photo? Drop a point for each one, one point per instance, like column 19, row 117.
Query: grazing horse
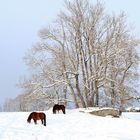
column 37, row 116
column 58, row 107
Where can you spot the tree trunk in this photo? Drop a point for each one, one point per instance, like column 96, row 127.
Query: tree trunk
column 79, row 92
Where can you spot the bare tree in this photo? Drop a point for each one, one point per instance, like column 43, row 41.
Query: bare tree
column 86, row 55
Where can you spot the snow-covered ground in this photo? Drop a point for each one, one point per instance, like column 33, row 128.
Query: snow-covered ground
column 74, row 125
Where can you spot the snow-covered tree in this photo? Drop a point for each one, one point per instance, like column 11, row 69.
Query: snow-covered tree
column 86, row 56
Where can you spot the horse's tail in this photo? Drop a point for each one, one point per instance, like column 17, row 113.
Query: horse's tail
column 30, row 117
column 44, row 119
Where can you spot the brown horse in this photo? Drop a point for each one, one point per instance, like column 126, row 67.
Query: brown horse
column 37, row 116
column 58, row 107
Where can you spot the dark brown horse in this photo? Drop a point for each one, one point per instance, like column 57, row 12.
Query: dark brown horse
column 58, row 107
column 37, row 116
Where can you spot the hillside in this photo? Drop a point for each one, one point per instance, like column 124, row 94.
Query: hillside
column 73, row 125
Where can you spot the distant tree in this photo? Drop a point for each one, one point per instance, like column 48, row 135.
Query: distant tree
column 86, row 56
column 7, row 105
column 0, row 108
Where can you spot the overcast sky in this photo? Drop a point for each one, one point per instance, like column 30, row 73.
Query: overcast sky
column 20, row 21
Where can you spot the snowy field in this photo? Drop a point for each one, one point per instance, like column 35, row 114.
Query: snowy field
column 74, row 125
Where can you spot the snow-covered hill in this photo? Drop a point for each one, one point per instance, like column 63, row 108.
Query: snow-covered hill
column 74, row 125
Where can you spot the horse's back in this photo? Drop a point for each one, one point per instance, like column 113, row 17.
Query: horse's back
column 42, row 115
column 62, row 106
column 58, row 106
column 38, row 115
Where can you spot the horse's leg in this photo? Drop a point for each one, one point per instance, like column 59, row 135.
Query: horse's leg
column 42, row 121
column 63, row 110
column 35, row 121
column 54, row 112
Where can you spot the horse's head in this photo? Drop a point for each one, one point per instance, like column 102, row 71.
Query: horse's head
column 28, row 120
column 30, row 117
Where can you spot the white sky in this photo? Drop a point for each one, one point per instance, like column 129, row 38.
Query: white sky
column 20, row 21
